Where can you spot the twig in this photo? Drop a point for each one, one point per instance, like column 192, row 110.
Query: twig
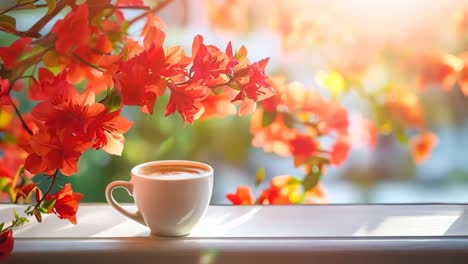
column 45, row 19
column 155, row 9
column 17, row 6
column 88, row 63
column 132, row 7
column 19, row 78
column 25, row 126
column 54, row 177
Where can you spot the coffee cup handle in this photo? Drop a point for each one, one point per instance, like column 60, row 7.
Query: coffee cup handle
column 113, row 203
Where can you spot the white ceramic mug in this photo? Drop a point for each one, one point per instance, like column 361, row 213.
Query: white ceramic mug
column 169, row 206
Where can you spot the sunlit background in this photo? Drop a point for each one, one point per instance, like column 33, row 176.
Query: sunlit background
column 331, row 46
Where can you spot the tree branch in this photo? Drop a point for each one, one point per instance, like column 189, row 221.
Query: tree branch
column 45, row 19
column 16, row 6
column 155, row 9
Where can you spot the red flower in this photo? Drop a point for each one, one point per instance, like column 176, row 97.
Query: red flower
column 66, row 203
column 25, row 190
column 302, row 147
column 422, row 145
column 47, row 85
column 6, row 244
column 272, row 138
column 218, row 105
column 278, row 192
column 185, row 99
column 254, row 86
column 10, row 54
column 73, row 30
column 208, row 61
column 48, row 152
column 339, row 152
column 243, row 195
column 107, row 129
column 94, row 53
column 4, row 89
column 139, row 80
column 71, row 123
column 434, row 69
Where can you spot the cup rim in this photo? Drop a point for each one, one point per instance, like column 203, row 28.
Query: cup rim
column 204, row 166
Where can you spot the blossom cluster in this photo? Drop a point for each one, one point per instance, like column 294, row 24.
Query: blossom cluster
column 80, row 76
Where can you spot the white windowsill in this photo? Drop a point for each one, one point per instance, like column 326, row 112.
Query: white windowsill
column 261, row 233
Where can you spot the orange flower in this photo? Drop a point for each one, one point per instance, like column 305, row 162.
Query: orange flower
column 11, row 54
column 317, row 195
column 302, row 147
column 48, row 152
column 339, row 152
column 66, row 203
column 404, row 108
column 463, row 74
column 228, row 14
column 208, row 61
column 422, row 145
column 243, row 196
column 185, row 99
column 272, row 138
column 218, row 105
column 4, row 89
column 279, row 191
column 73, row 30
column 435, row 69
column 70, row 123
column 47, row 85
column 6, row 244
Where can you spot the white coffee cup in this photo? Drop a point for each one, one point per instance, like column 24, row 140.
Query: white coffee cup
column 170, row 204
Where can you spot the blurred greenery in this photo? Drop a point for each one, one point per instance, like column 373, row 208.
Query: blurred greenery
column 155, row 137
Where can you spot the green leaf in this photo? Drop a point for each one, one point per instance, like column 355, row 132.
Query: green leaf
column 233, row 86
column 51, row 5
column 312, row 178
column 166, row 146
column 15, row 214
column 318, row 160
column 268, row 118
column 401, row 136
column 3, row 183
column 1, row 226
column 260, row 176
column 48, row 205
column 294, row 181
column 8, row 23
column 113, row 100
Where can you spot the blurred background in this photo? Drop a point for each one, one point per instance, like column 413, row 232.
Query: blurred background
column 331, row 46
